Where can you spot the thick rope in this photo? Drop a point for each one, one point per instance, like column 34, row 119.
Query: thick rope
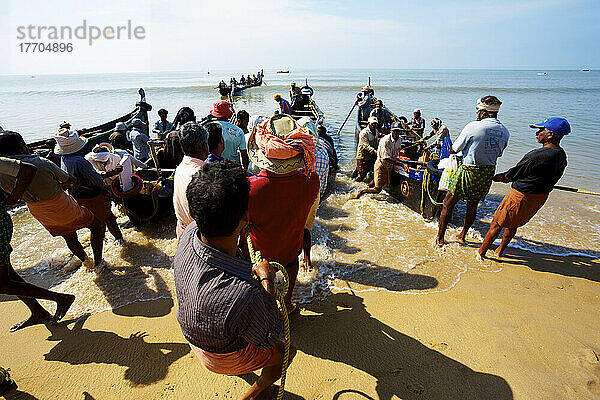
column 425, row 189
column 256, row 258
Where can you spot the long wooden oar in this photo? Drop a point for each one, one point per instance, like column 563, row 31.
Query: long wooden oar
column 347, row 116
column 575, row 190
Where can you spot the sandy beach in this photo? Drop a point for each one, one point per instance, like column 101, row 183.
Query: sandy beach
column 529, row 331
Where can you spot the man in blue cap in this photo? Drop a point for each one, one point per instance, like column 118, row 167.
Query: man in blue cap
column 533, row 178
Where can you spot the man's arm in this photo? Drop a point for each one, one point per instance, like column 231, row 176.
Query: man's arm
column 245, row 159
column 266, row 276
column 25, row 176
column 461, row 141
column 429, row 135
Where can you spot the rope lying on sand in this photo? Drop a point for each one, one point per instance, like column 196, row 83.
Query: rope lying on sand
column 256, row 258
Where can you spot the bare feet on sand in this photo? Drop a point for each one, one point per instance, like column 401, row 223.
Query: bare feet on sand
column 37, row 318
column 461, row 238
column 62, row 307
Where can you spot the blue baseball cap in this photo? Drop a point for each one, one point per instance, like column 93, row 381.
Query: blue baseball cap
column 559, row 126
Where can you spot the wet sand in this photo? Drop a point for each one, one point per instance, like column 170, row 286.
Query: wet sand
column 529, row 331
column 385, row 314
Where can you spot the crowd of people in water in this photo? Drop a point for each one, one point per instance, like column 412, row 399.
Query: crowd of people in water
column 383, row 143
column 238, row 176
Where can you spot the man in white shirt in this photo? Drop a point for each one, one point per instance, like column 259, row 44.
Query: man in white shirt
column 387, row 156
column 481, row 143
column 194, row 143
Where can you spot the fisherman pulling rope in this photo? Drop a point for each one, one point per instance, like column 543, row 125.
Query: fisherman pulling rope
column 233, row 321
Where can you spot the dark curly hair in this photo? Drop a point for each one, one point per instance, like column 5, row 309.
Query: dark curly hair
column 218, row 198
column 11, row 143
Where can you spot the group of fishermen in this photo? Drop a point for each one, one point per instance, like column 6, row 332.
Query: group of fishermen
column 244, row 80
column 255, row 176
column 300, row 99
column 382, row 145
column 229, row 318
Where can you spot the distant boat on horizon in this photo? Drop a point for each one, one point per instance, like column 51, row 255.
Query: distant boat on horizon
column 585, row 70
column 542, row 73
column 283, row 71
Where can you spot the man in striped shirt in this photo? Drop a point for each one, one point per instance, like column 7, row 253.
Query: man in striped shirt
column 229, row 318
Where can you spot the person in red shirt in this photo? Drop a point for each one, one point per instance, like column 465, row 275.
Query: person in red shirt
column 282, row 194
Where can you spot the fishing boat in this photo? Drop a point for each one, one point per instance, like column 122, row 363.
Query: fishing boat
column 99, row 133
column 283, row 71
column 238, row 89
column 307, row 107
column 153, row 192
column 415, row 186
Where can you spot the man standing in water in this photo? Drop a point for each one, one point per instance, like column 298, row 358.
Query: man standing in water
column 57, row 211
column 282, row 194
column 533, row 178
column 481, row 143
column 23, row 174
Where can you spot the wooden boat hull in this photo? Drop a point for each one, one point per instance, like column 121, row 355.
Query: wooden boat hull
column 155, row 199
column 311, row 111
column 96, row 134
column 410, row 191
column 224, row 91
column 237, row 90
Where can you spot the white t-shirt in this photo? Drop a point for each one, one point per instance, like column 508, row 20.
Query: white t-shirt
column 388, row 147
column 482, row 142
column 183, row 176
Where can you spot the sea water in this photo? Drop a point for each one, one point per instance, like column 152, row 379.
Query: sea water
column 373, row 243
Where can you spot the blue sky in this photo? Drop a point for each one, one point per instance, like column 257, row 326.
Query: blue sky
column 531, row 34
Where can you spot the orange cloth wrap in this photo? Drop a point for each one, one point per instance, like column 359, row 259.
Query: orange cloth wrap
column 61, row 215
column 298, row 141
column 244, row 361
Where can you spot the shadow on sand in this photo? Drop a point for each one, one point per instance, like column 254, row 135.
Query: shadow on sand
column 16, row 394
column 146, row 362
column 112, row 280
column 403, row 366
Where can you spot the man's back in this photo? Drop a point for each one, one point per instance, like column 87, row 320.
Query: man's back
column 279, row 205
column 45, row 184
column 140, row 144
column 538, row 171
column 482, row 142
column 234, row 140
column 221, row 307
